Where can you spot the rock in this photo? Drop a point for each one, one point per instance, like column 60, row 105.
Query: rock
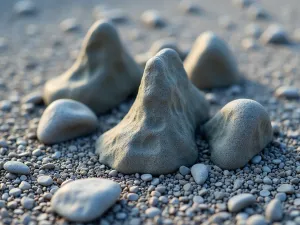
column 256, row 12
column 274, row 211
column 27, row 203
column 3, row 44
column 113, row 15
column 16, row 167
column 132, row 197
column 69, row 25
column 242, row 3
column 253, row 30
column 15, row 192
column 35, row 98
column 240, row 201
column 103, row 75
column 146, row 177
column 85, row 200
column 274, row 34
column 199, row 173
column 286, row 188
column 183, row 170
column 287, row 92
column 249, row 44
column 152, row 212
column 24, row 185
column 25, row 7
column 44, row 180
column 155, row 143
column 188, row 6
column 239, row 131
column 256, row 220
column 226, row 22
column 153, row 19
column 256, row 159
column 209, row 50
column 65, row 119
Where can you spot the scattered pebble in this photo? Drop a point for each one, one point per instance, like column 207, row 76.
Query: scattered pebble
column 153, row 19
column 25, row 7
column 274, row 34
column 274, row 210
column 239, row 202
column 287, row 92
column 16, row 167
column 256, row 220
column 69, row 25
column 45, row 180
column 286, row 188
column 199, row 173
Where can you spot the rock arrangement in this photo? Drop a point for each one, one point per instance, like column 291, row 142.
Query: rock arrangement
column 103, row 75
column 239, row 131
column 210, row 63
column 157, row 134
column 65, row 119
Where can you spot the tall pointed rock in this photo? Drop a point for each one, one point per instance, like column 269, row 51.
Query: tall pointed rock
column 157, row 135
column 103, row 75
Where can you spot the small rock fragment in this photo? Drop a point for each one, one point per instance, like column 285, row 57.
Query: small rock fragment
column 274, row 34
column 199, row 173
column 274, row 211
column 69, row 25
column 240, row 201
column 65, row 119
column 287, row 92
column 24, row 7
column 45, row 180
column 85, row 200
column 210, row 50
column 153, row 19
column 16, row 167
column 165, row 96
column 286, row 188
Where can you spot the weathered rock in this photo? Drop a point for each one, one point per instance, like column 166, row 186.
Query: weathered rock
column 239, row 202
column 65, row 119
column 157, row 134
column 85, row 200
column 239, row 131
column 274, row 34
column 103, row 75
column 210, row 63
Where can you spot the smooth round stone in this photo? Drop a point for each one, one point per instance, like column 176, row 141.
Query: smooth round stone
column 34, row 98
column 256, row 159
column 15, row 192
column 274, row 211
column 274, row 34
column 253, row 30
column 85, row 200
column 45, row 180
column 27, row 203
column 286, row 188
column 152, row 212
column 239, row 202
column 297, row 202
column 183, row 170
column 287, row 92
column 24, row 185
column 264, row 193
column 146, row 177
column 256, row 220
column 199, row 173
column 152, row 18
column 69, row 25
column 65, row 119
column 16, row 167
column 132, row 197
column 24, row 7
column 281, row 196
column 198, row 199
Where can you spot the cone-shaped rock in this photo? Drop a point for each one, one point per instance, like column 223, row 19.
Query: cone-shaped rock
column 211, row 64
column 103, row 75
column 239, row 131
column 157, row 135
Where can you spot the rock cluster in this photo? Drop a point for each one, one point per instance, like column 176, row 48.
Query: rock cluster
column 157, row 134
column 103, row 75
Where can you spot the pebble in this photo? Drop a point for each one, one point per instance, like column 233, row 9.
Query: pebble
column 35, row 98
column 256, row 159
column 153, row 19
column 253, row 30
column 264, row 193
column 45, row 180
column 15, row 192
column 242, row 3
column 146, row 177
column 274, row 210
column 297, row 202
column 152, row 212
column 240, row 201
column 274, row 34
column 256, row 12
column 24, row 7
column 256, row 220
column 286, row 188
column 95, row 198
column 188, row 6
column 132, row 197
column 249, row 44
column 281, row 196
column 287, row 92
column 199, row 173
column 24, row 185
column 65, row 114
column 16, row 167
column 69, row 25
column 27, row 203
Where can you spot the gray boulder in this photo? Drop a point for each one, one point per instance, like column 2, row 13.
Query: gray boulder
column 239, row 131
column 103, row 75
column 157, row 135
column 65, row 119
column 210, row 63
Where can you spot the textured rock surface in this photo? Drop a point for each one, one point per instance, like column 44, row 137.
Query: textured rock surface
column 210, row 63
column 103, row 75
column 157, row 134
column 239, row 131
column 65, row 119
column 85, row 200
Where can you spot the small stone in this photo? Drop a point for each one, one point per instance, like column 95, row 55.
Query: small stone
column 153, row 19
column 264, row 193
column 113, row 173
column 152, row 212
column 256, row 220
column 286, row 188
column 24, row 185
column 69, row 119
column 25, row 7
column 132, row 197
column 5, row 105
column 256, row 159
column 249, row 44
column 198, row 199
column 242, row 3
column 287, row 92
column 208, row 50
column 27, row 203
column 253, row 30
column 274, row 211
column 183, row 170
column 48, row 166
column 188, row 6
column 199, row 173
column 35, row 98
column 45, row 180
column 94, row 195
column 297, row 202
column 16, row 167
column 69, row 25
column 240, row 201
column 113, row 15
column 274, row 34
column 15, row 192
column 226, row 22
column 146, row 177
column 256, row 12
column 281, row 196
column 240, row 130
